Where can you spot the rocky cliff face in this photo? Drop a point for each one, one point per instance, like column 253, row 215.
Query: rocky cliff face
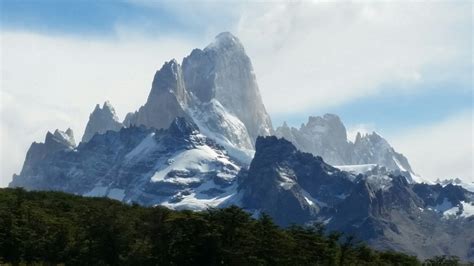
column 101, row 120
column 215, row 88
column 177, row 167
column 166, row 101
column 54, row 142
column 291, row 186
column 326, row 136
column 323, row 136
column 372, row 148
column 379, row 207
column 223, row 71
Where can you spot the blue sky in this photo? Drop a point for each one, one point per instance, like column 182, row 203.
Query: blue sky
column 98, row 19
column 389, row 112
column 396, row 68
column 93, row 18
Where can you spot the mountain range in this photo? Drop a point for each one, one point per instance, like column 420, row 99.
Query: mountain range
column 204, row 139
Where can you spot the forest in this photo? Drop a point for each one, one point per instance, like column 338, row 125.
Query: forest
column 44, row 228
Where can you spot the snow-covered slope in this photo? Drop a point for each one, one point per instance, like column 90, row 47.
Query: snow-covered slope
column 357, row 168
column 457, row 182
column 178, row 167
column 226, row 129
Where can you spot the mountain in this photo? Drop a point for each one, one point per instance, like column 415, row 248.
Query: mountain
column 457, row 182
column 224, row 72
column 326, row 136
column 177, row 167
column 54, row 142
column 216, row 88
column 372, row 148
column 290, row 186
column 101, row 120
column 323, row 136
column 202, row 140
column 166, row 101
column 180, row 168
column 379, row 207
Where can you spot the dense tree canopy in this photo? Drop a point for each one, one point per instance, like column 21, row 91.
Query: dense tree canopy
column 53, row 227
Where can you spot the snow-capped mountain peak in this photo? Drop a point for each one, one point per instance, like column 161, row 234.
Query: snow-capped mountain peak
column 66, row 137
column 326, row 136
column 225, row 40
column 101, row 120
column 216, row 89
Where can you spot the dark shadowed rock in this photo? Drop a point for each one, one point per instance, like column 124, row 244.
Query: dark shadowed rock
column 379, row 207
column 53, row 143
column 290, row 185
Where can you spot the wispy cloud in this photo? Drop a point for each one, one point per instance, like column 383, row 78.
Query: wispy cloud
column 50, row 82
column 327, row 54
column 440, row 150
column 359, row 128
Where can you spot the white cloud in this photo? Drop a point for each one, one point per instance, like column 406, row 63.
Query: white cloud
column 359, row 128
column 326, row 54
column 52, row 82
column 441, row 150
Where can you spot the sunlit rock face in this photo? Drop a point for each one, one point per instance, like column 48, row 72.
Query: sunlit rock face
column 216, row 88
column 326, row 136
column 378, row 206
column 166, row 101
column 101, row 120
column 224, row 72
column 323, row 136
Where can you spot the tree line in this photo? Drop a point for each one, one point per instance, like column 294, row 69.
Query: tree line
column 58, row 228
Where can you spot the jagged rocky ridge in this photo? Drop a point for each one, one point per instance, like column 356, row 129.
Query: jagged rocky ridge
column 54, row 142
column 215, row 88
column 101, row 120
column 190, row 146
column 326, row 136
column 177, row 167
column 379, row 207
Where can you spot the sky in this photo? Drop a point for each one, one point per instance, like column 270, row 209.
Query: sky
column 402, row 69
